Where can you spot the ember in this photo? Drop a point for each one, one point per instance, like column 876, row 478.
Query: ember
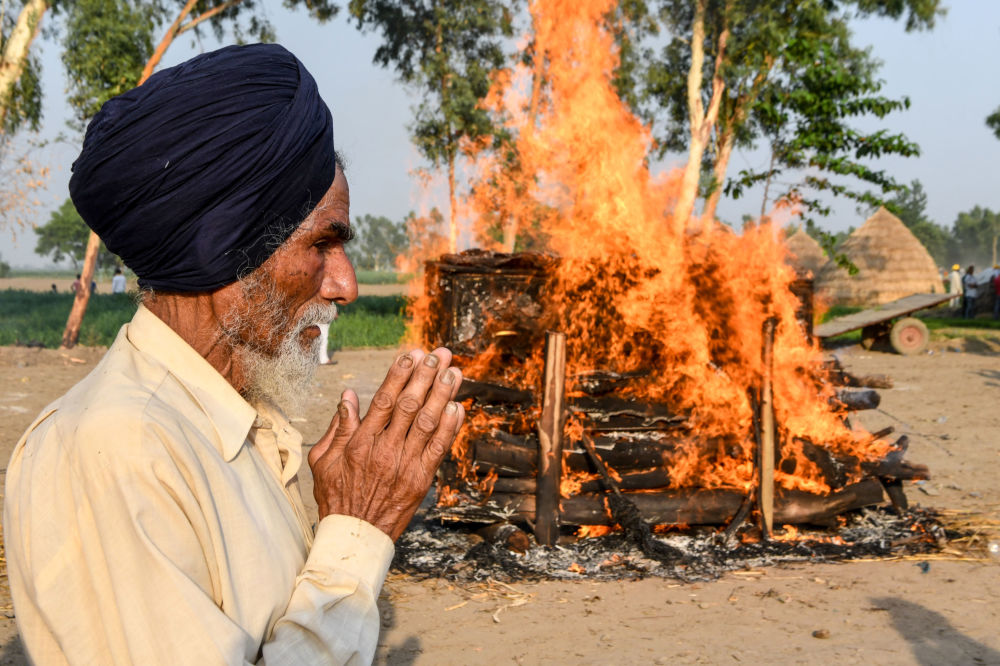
column 687, row 391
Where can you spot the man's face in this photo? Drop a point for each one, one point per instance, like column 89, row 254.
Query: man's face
column 270, row 316
column 310, row 268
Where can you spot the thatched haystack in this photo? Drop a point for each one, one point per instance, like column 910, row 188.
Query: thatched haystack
column 891, row 263
column 804, row 254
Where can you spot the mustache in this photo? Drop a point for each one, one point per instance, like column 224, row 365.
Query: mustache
column 315, row 315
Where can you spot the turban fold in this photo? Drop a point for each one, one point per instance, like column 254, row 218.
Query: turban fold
column 197, row 176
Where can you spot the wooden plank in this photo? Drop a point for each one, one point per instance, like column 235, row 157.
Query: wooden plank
column 550, row 436
column 765, row 455
column 882, row 313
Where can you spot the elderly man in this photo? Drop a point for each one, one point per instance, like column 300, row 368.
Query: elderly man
column 153, row 513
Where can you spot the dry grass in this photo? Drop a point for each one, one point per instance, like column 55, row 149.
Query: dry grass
column 891, row 263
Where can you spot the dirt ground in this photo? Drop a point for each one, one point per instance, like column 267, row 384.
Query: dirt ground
column 937, row 610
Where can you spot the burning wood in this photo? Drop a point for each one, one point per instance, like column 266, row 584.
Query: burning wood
column 664, row 319
column 500, row 472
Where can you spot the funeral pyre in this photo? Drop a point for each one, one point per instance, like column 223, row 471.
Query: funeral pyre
column 645, row 371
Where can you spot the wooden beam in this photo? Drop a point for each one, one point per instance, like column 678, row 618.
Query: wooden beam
column 550, row 439
column 765, row 457
column 675, row 507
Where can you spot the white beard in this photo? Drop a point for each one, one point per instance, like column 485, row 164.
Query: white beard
column 284, row 378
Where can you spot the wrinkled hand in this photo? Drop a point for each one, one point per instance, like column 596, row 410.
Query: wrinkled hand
column 379, row 468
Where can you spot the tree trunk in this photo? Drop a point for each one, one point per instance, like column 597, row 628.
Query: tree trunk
column 452, row 216
column 72, row 331
column 767, row 183
column 702, row 122
column 719, row 173
column 15, row 52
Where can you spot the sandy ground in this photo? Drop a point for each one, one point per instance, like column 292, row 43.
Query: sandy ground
column 932, row 611
column 104, row 286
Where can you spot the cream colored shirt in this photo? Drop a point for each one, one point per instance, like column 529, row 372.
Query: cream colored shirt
column 153, row 516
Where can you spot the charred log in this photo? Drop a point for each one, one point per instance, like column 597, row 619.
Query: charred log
column 485, row 392
column 600, row 382
column 857, row 400
column 841, row 377
column 676, row 507
column 507, row 535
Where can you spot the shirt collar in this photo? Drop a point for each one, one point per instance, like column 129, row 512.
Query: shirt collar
column 231, row 415
column 288, row 440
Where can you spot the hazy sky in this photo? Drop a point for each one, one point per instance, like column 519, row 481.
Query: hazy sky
column 950, row 75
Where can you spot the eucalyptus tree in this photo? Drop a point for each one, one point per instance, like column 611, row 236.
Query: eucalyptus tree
column 448, row 51
column 21, row 176
column 720, row 74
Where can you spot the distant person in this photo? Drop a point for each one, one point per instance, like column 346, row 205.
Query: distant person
column 996, row 292
column 55, row 290
column 970, row 290
column 75, row 287
column 954, row 285
column 118, row 282
column 93, row 287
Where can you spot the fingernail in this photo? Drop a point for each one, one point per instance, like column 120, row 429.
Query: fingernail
column 448, row 377
column 344, row 411
column 405, row 361
column 451, row 407
column 432, row 360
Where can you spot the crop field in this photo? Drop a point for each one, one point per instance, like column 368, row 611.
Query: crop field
column 38, row 318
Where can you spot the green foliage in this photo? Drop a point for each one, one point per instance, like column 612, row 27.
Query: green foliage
column 910, row 206
column 378, row 242
column 371, row 321
column 65, row 236
column 447, row 50
column 4, row 269
column 942, row 323
column 791, row 78
column 839, row 311
column 106, row 45
column 382, row 277
column 39, row 317
column 993, row 122
column 23, row 105
column 976, row 237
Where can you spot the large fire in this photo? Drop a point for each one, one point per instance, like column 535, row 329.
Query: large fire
column 681, row 302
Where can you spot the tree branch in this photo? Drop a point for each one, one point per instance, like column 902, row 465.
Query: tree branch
column 164, row 44
column 204, row 16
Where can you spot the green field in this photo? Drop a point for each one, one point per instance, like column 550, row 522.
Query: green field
column 28, row 317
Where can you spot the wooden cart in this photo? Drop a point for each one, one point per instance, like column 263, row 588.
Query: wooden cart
column 889, row 322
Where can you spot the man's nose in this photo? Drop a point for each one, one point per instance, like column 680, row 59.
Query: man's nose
column 340, row 285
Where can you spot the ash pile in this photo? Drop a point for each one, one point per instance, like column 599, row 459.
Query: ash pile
column 504, row 552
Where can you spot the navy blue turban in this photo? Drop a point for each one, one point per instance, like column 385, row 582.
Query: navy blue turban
column 197, row 176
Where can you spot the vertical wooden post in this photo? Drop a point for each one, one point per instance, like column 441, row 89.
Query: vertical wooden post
column 765, row 462
column 550, row 436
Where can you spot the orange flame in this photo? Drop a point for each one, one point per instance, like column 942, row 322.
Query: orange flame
column 635, row 292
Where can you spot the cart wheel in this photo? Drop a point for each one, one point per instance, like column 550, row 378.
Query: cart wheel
column 909, row 336
column 871, row 335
